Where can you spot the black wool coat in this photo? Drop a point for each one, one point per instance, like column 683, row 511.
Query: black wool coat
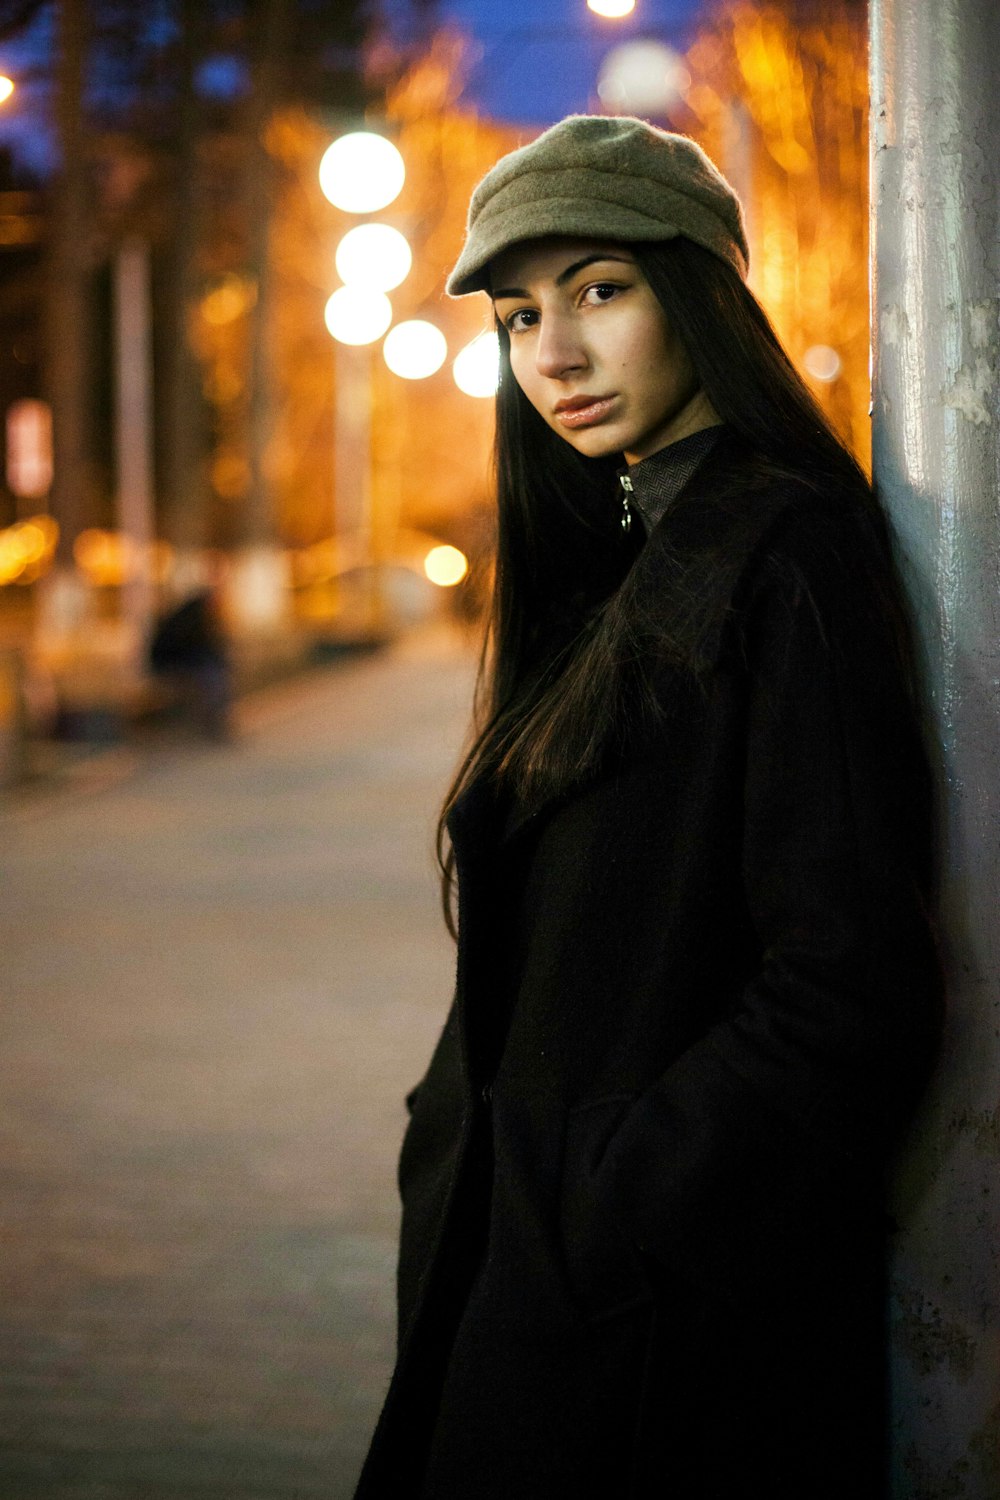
column 643, row 1225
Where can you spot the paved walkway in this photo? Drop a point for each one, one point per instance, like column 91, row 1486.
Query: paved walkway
column 221, row 969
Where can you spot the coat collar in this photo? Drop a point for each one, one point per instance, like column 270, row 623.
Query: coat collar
column 658, row 480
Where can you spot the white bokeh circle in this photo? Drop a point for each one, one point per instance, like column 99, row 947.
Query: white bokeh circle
column 357, row 315
column 415, row 349
column 361, row 172
column 477, row 367
column 374, row 255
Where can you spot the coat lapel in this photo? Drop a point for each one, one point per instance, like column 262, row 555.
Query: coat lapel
column 526, row 817
column 473, row 827
column 483, row 823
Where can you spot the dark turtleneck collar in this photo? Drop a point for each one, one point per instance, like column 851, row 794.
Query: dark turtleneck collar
column 659, row 479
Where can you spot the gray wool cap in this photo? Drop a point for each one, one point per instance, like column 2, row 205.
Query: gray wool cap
column 600, row 176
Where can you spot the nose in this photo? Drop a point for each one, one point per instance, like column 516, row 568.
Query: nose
column 559, row 350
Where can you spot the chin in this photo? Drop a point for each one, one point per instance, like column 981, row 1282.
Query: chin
column 595, row 442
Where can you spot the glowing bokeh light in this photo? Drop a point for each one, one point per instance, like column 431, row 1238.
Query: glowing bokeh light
column 6, row 88
column 106, row 557
column 477, row 366
column 643, row 78
column 12, row 558
column 361, row 172
column 357, row 315
column 822, row 362
column 446, row 566
column 230, row 475
column 374, row 255
column 611, row 10
column 33, row 541
column 228, row 301
column 415, row 349
column 29, row 447
column 26, row 549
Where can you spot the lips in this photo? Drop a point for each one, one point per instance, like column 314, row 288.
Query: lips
column 583, row 411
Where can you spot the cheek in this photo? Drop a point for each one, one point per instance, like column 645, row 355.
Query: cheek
column 526, row 377
column 638, row 351
column 665, row 366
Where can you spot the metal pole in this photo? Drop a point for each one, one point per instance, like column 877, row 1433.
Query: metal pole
column 354, row 498
column 134, row 436
column 935, row 80
column 352, row 445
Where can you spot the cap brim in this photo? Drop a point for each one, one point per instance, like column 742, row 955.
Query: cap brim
column 542, row 220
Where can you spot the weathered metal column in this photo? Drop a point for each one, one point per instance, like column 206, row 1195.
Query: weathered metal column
column 134, row 435
column 936, row 328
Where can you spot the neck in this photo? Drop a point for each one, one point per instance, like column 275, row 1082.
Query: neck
column 696, row 414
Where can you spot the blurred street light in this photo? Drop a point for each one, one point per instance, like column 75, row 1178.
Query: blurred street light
column 415, row 349
column 611, row 10
column 29, row 448
column 642, row 78
column 358, row 315
column 27, row 548
column 6, row 88
column 477, row 366
column 446, row 566
column 376, row 256
column 822, row 362
column 106, row 557
column 227, row 301
column 361, row 172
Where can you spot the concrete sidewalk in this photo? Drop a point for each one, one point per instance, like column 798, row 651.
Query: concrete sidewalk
column 222, row 968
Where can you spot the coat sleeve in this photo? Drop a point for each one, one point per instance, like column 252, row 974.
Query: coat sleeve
column 771, row 1131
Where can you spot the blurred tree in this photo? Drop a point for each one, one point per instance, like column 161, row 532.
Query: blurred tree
column 17, row 15
column 183, row 488
column 21, row 285
column 71, row 252
column 423, row 479
column 779, row 96
column 149, row 102
column 269, row 47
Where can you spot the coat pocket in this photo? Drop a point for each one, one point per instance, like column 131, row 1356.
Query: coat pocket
column 603, row 1267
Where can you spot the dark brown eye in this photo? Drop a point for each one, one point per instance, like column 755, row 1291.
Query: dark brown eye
column 602, row 291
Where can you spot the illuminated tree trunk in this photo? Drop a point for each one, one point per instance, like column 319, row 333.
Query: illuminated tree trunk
column 134, row 429
column 68, row 312
column 184, row 486
column 259, row 593
column 267, row 43
column 935, row 145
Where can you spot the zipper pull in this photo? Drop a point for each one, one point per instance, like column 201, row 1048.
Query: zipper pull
column 627, row 490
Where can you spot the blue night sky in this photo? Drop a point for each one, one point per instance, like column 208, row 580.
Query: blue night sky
column 530, row 61
column 23, row 119
column 537, row 60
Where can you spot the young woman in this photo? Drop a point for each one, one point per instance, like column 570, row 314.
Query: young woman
column 643, row 1225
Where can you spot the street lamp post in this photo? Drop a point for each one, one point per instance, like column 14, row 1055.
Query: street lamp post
column 361, row 173
column 134, row 446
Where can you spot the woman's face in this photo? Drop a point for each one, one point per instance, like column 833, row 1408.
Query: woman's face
column 591, row 348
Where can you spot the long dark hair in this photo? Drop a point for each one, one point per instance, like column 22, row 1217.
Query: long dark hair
column 566, row 626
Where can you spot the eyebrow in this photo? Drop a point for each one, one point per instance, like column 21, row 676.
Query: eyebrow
column 567, row 275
